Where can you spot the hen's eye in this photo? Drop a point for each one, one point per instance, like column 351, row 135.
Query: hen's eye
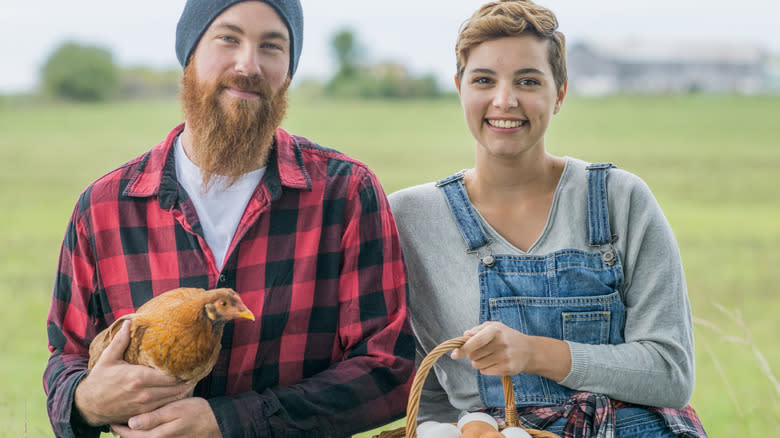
column 223, row 303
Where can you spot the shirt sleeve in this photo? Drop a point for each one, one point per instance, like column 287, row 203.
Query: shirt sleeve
column 655, row 365
column 68, row 327
column 370, row 385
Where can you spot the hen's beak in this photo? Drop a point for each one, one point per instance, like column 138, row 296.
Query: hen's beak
column 247, row 314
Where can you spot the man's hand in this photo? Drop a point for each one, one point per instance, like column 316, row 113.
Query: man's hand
column 185, row 418
column 498, row 350
column 114, row 390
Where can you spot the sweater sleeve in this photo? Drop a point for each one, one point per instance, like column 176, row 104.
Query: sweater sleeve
column 435, row 404
column 370, row 384
column 655, row 365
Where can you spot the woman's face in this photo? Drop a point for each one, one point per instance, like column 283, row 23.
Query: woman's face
column 508, row 95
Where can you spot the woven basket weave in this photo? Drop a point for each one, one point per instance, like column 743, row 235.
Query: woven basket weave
column 410, row 431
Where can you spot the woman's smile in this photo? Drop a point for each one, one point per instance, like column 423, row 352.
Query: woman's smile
column 506, row 125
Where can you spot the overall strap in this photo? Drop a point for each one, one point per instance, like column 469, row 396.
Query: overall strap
column 463, row 212
column 599, row 232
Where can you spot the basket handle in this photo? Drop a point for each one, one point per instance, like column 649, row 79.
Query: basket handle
column 422, row 372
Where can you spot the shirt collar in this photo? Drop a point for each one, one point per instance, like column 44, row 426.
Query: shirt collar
column 156, row 174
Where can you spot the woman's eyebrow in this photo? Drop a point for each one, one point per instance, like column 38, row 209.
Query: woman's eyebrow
column 529, row 70
column 484, row 71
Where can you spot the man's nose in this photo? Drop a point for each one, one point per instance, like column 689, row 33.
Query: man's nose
column 247, row 61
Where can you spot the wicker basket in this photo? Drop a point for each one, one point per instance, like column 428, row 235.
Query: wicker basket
column 410, row 431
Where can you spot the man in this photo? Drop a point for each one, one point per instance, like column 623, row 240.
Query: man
column 228, row 199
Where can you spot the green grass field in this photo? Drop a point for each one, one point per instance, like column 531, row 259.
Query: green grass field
column 712, row 162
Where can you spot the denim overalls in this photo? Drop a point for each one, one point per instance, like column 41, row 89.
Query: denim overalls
column 570, row 294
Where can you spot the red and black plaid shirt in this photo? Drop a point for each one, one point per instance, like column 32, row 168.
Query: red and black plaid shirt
column 316, row 257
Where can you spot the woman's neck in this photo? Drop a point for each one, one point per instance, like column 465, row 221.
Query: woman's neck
column 497, row 181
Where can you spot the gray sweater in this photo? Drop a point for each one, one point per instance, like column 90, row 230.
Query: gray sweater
column 655, row 366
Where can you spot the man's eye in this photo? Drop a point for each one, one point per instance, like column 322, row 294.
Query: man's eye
column 271, row 46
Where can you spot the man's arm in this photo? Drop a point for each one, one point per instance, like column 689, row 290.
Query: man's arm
column 370, row 385
column 67, row 327
column 81, row 403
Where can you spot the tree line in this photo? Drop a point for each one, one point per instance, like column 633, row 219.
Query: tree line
column 88, row 73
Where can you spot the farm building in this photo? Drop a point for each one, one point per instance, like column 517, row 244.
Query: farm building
column 655, row 68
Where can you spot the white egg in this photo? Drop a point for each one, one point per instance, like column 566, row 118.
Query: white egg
column 477, row 416
column 442, row 430
column 515, row 432
column 424, row 428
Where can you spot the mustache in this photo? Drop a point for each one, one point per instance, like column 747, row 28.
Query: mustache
column 255, row 83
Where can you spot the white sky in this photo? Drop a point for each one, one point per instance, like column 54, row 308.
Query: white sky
column 417, row 33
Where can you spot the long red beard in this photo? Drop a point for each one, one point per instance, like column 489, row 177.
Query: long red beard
column 231, row 136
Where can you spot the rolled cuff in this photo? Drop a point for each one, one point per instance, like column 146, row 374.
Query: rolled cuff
column 580, row 362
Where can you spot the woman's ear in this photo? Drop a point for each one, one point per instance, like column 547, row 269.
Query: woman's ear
column 561, row 96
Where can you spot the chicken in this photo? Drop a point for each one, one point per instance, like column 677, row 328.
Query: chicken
column 178, row 332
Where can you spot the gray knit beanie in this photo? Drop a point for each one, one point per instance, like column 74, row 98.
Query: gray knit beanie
column 198, row 15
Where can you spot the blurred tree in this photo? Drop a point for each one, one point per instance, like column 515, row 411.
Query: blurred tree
column 385, row 80
column 143, row 82
column 347, row 53
column 77, row 72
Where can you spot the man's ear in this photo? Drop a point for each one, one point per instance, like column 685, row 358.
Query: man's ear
column 457, row 83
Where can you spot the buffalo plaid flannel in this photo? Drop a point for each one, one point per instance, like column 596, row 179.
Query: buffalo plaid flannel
column 316, row 257
column 593, row 415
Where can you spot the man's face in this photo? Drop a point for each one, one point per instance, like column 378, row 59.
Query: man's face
column 248, row 39
column 235, row 90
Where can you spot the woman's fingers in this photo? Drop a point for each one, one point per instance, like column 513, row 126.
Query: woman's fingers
column 479, row 337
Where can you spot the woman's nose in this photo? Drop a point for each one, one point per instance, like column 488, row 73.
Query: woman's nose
column 505, row 98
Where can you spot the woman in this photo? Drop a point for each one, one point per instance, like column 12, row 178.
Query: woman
column 562, row 274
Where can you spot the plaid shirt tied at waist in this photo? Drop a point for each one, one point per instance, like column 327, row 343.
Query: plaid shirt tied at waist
column 593, row 416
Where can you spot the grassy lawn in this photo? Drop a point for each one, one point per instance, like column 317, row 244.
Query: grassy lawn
column 712, row 162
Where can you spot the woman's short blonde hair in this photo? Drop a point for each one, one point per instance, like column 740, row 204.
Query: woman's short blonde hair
column 509, row 18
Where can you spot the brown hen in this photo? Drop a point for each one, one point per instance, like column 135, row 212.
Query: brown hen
column 177, row 332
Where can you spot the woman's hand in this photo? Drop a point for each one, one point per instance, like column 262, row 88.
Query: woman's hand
column 498, row 350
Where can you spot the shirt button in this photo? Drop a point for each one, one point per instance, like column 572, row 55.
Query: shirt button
column 222, row 279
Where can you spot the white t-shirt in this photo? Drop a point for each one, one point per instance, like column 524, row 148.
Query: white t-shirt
column 220, row 209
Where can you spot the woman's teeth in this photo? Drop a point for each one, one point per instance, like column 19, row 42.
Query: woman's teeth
column 506, row 123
